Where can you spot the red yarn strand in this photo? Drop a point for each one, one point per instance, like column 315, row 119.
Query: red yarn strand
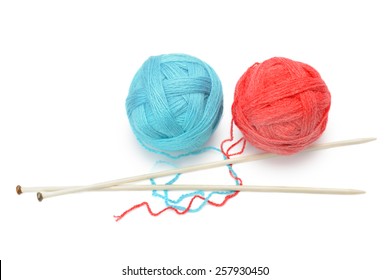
column 227, row 154
column 155, row 214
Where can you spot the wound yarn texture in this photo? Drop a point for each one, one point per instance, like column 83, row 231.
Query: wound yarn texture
column 175, row 103
column 281, row 106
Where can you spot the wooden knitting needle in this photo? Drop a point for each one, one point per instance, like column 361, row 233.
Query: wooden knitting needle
column 316, row 147
column 243, row 188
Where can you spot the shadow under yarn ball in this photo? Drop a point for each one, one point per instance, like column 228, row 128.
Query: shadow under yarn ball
column 175, row 103
column 281, row 106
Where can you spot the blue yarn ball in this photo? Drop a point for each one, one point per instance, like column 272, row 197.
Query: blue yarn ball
column 175, row 103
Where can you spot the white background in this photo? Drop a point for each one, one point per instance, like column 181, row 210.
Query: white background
column 65, row 69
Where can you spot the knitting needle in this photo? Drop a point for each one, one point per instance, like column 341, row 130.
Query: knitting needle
column 316, row 147
column 243, row 188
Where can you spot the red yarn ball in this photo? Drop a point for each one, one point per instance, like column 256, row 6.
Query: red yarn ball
column 281, row 106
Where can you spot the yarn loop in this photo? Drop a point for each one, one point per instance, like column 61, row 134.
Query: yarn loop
column 281, row 106
column 175, row 103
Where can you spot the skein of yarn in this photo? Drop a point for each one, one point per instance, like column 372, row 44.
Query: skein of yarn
column 175, row 103
column 281, row 106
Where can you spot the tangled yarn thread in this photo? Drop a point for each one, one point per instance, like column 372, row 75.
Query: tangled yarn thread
column 175, row 103
column 281, row 106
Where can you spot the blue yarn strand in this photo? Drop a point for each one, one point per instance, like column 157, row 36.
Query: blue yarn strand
column 175, row 202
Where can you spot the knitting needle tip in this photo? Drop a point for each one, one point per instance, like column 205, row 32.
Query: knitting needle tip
column 19, row 189
column 368, row 139
column 39, row 196
column 356, row 192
